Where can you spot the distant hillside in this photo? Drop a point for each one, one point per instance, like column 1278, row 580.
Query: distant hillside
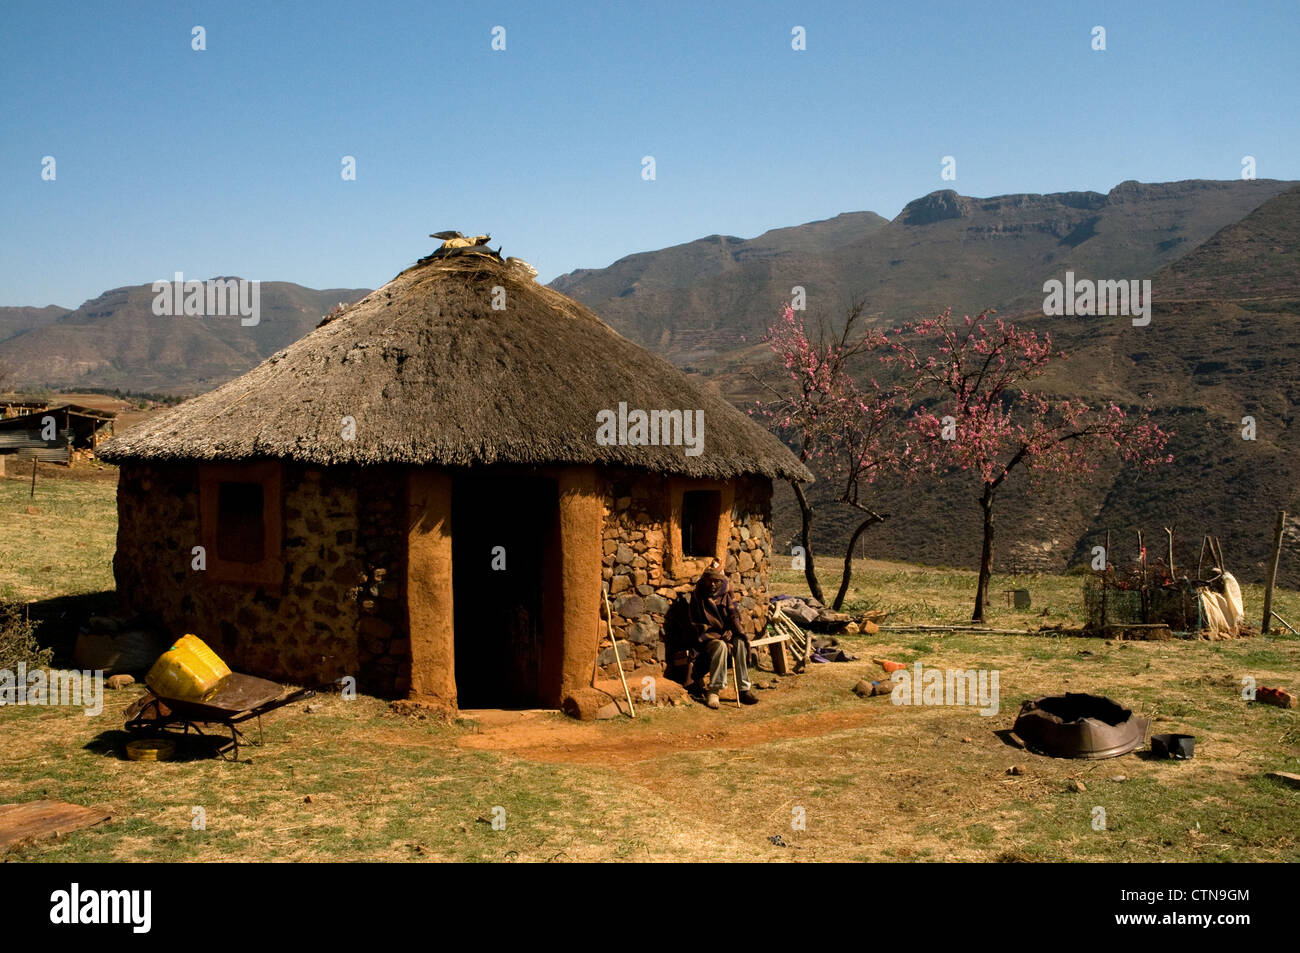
column 17, row 320
column 1205, row 364
column 116, row 340
column 690, row 300
column 1255, row 257
column 694, row 301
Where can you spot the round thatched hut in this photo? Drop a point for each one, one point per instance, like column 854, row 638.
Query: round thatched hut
column 429, row 491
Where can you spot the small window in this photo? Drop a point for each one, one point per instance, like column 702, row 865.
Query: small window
column 700, row 512
column 698, row 528
column 240, row 516
column 241, row 522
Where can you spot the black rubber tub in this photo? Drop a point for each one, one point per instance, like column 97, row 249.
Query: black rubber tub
column 1078, row 725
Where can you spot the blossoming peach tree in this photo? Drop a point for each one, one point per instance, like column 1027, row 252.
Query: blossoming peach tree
column 966, row 380
column 841, row 421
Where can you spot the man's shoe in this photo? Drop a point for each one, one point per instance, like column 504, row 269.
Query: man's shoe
column 712, row 700
column 748, row 698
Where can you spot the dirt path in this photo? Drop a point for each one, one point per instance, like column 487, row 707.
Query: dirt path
column 557, row 740
column 551, row 738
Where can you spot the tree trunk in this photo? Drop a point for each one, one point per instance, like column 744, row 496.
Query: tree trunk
column 986, row 556
column 809, row 569
column 848, row 560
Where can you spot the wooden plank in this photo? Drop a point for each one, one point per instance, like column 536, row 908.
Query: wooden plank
column 796, row 635
column 18, row 822
column 776, row 651
column 960, row 628
column 1154, row 632
column 769, row 640
column 800, row 645
column 786, row 622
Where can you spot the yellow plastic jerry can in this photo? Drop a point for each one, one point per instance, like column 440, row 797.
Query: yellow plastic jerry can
column 188, row 671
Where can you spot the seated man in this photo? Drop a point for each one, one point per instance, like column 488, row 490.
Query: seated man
column 716, row 624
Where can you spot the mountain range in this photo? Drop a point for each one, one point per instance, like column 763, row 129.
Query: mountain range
column 944, row 250
column 116, row 341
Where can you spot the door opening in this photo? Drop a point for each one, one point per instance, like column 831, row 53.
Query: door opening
column 503, row 531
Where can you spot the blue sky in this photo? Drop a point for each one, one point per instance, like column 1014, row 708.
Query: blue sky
column 227, row 161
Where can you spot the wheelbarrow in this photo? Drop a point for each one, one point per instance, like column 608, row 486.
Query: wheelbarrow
column 236, row 699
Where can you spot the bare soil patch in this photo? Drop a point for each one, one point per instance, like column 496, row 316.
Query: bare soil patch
column 554, row 739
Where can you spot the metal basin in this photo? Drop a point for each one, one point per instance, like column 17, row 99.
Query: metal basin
column 1078, row 725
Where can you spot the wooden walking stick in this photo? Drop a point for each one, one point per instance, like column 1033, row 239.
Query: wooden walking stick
column 734, row 677
column 609, row 625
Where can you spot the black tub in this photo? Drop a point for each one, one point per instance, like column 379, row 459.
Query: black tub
column 1078, row 725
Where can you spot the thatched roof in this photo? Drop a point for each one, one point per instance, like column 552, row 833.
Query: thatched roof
column 432, row 374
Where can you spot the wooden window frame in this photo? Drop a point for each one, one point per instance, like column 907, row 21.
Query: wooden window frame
column 269, row 571
column 679, row 566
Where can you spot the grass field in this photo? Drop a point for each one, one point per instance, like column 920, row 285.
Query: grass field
column 351, row 780
column 58, row 541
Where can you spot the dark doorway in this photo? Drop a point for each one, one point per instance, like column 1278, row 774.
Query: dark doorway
column 504, row 531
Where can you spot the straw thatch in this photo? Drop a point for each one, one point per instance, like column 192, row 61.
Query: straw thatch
column 433, row 375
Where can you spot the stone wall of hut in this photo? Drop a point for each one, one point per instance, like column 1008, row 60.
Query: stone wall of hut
column 338, row 609
column 635, row 535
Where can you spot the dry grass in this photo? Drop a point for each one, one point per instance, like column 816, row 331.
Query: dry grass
column 59, row 541
column 876, row 781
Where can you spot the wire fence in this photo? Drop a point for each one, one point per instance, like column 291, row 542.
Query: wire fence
column 1109, row 600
